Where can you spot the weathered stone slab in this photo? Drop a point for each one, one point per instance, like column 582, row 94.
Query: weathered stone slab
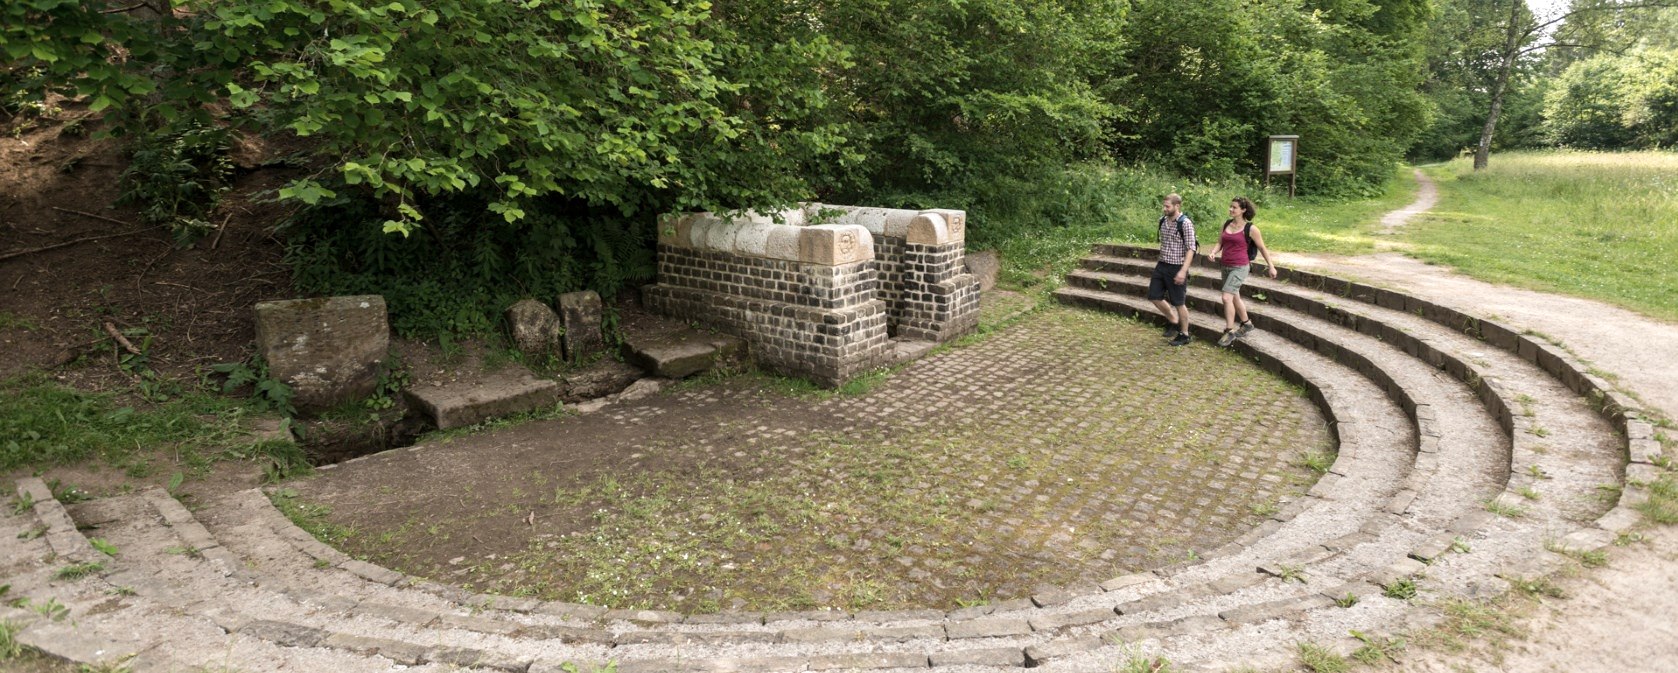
column 644, row 616
column 474, row 658
column 988, row 628
column 568, row 634
column 984, row 266
column 1036, row 655
column 533, row 327
column 329, row 350
column 580, row 319
column 678, row 354
column 1080, row 618
column 867, row 661
column 398, row 613
column 466, row 402
column 902, row 633
column 285, row 634
column 479, row 624
column 993, row 656
column 574, row 610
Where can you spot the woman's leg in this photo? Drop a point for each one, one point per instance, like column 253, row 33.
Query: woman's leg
column 1230, row 301
column 1241, row 309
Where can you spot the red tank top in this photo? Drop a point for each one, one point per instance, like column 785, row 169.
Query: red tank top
column 1234, row 247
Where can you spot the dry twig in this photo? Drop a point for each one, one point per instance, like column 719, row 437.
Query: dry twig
column 120, row 339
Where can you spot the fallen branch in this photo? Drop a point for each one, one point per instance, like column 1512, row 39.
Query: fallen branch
column 120, row 339
column 219, row 230
column 66, row 244
column 87, row 214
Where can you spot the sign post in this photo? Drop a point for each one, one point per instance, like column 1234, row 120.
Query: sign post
column 1281, row 155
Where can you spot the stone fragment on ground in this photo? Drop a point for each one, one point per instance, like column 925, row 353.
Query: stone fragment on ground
column 330, row 350
column 473, row 400
column 580, row 316
column 534, row 327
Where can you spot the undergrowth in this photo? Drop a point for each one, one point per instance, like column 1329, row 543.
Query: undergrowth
column 43, row 424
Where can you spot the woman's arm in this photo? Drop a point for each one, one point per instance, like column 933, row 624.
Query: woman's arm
column 1258, row 239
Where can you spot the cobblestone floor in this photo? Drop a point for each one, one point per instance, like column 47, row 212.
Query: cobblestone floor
column 1068, row 448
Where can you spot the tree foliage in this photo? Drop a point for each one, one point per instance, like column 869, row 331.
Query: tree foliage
column 535, row 140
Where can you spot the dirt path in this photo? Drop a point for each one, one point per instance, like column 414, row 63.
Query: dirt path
column 1617, row 619
column 1427, row 194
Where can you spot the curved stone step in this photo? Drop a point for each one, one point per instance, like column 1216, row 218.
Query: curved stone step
column 1579, row 537
column 1529, row 404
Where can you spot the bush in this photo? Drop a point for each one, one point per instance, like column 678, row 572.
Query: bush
column 460, row 272
column 177, row 177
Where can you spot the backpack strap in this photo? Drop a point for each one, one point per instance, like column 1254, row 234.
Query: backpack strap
column 1159, row 236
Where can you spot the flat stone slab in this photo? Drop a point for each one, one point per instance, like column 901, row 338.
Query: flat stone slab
column 678, row 354
column 462, row 403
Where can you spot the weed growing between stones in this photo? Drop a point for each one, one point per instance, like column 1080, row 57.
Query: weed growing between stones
column 1315, row 461
column 1402, row 589
column 76, row 571
column 103, row 546
column 1318, row 659
column 1538, row 587
column 10, row 648
column 1139, row 663
column 1662, row 505
column 1376, row 649
column 1497, row 506
column 1346, row 601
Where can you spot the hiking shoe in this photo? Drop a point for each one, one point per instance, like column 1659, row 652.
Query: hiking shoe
column 1171, row 330
column 1181, row 340
column 1245, row 329
column 1227, row 338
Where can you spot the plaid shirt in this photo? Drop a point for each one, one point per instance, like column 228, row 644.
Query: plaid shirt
column 1174, row 246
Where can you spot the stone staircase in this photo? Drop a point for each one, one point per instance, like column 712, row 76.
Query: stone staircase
column 1439, row 419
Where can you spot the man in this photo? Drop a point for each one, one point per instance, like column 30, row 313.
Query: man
column 1168, row 288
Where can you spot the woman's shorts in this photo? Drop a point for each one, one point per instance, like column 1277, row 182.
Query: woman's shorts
column 1234, row 276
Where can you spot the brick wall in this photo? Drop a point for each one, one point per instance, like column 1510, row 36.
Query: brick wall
column 819, row 300
column 817, row 321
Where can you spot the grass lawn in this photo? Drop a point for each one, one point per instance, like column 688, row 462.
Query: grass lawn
column 1593, row 224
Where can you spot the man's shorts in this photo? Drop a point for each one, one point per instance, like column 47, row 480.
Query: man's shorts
column 1234, row 276
column 1163, row 285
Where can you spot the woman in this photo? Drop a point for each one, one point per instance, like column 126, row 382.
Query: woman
column 1235, row 253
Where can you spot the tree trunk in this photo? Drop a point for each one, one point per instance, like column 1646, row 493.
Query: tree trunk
column 1511, row 49
column 1482, row 153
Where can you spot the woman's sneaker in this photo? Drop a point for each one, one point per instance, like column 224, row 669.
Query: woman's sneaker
column 1245, row 329
column 1227, row 338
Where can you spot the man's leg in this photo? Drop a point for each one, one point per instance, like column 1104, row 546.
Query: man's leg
column 1159, row 291
column 1183, row 319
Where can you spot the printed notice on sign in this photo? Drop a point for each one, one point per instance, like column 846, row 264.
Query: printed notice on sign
column 1281, row 156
